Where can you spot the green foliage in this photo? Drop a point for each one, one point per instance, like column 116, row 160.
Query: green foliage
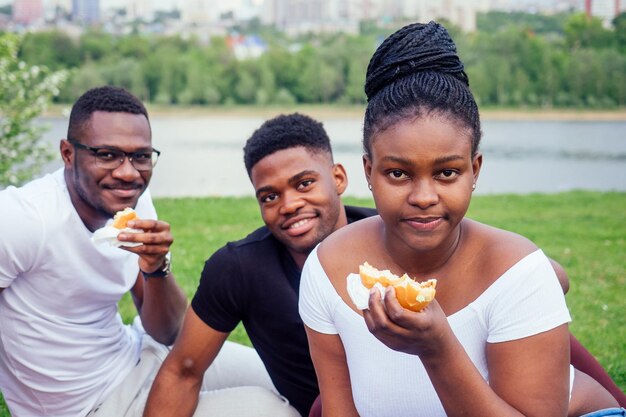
column 582, row 31
column 495, row 21
column 25, row 92
column 55, row 49
column 619, row 24
column 514, row 60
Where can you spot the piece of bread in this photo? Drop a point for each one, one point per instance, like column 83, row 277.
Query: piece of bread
column 412, row 295
column 121, row 218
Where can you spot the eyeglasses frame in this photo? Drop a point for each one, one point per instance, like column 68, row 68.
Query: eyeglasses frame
column 94, row 150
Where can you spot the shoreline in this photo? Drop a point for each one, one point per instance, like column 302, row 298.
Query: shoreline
column 351, row 112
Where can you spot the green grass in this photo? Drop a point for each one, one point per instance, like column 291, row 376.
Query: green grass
column 584, row 231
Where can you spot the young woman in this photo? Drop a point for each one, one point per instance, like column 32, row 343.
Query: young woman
column 494, row 342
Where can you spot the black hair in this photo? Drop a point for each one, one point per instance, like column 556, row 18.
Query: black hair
column 106, row 98
column 285, row 132
column 417, row 71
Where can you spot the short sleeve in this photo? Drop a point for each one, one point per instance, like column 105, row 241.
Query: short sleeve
column 22, row 236
column 527, row 300
column 221, row 292
column 317, row 297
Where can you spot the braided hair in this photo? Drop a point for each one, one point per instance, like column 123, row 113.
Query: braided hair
column 414, row 72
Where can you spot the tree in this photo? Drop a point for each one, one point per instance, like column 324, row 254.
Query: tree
column 619, row 25
column 25, row 92
column 582, row 31
column 54, row 49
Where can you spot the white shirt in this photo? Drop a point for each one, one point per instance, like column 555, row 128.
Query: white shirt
column 63, row 345
column 526, row 300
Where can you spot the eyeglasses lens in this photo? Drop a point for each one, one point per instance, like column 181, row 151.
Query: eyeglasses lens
column 111, row 159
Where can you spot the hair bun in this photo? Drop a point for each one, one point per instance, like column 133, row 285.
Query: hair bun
column 415, row 48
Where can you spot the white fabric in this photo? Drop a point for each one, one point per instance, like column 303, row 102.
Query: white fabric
column 63, row 345
column 238, row 385
column 525, row 300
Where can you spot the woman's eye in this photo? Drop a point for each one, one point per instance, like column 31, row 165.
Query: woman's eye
column 448, row 174
column 396, row 174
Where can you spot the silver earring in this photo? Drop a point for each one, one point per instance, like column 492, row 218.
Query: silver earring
column 473, row 186
column 369, row 186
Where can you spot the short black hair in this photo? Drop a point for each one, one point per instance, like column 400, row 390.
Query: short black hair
column 417, row 71
column 105, row 98
column 285, row 132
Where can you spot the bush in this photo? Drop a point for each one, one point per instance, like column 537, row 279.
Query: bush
column 25, row 92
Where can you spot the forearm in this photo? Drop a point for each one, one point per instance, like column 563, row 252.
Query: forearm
column 461, row 388
column 585, row 362
column 523, row 381
column 173, row 394
column 162, row 308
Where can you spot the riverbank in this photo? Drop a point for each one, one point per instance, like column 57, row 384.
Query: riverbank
column 329, row 112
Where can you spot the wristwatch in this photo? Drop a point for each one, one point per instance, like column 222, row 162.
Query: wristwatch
column 163, row 271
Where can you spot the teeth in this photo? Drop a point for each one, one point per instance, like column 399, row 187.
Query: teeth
column 298, row 224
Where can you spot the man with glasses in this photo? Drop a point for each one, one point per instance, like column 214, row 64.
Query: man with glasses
column 63, row 347
column 64, row 350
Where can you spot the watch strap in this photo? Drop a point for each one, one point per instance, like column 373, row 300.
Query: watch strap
column 161, row 272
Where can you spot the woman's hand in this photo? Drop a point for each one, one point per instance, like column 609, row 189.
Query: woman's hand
column 422, row 333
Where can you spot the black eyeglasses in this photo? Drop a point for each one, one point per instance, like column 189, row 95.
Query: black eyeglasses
column 108, row 158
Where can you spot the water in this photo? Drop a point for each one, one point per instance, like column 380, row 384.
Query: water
column 202, row 156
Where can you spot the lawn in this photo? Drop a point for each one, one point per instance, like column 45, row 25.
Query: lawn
column 584, row 231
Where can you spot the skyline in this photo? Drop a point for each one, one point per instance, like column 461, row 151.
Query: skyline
column 236, row 4
column 157, row 4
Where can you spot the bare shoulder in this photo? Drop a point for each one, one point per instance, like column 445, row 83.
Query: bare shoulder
column 497, row 249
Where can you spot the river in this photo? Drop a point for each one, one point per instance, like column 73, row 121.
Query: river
column 202, row 156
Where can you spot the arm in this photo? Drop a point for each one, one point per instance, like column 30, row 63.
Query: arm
column 527, row 377
column 177, row 385
column 581, row 358
column 329, row 359
column 561, row 275
column 585, row 362
column 161, row 303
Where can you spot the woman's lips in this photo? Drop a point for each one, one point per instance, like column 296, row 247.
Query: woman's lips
column 425, row 224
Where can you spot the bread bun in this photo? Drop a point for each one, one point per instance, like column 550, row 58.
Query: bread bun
column 121, row 218
column 412, row 295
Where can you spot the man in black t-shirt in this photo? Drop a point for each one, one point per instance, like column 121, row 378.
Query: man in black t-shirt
column 256, row 280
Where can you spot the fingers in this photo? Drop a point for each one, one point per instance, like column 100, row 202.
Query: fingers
column 148, row 225
column 155, row 233
column 155, row 240
column 400, row 329
column 381, row 315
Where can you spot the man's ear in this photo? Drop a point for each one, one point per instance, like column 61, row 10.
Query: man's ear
column 477, row 163
column 67, row 152
column 341, row 178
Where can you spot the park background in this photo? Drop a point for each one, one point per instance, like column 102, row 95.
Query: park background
column 528, row 68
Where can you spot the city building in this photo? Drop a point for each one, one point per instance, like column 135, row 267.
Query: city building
column 297, row 16
column 139, row 10
column 28, row 12
column 605, row 10
column 86, row 12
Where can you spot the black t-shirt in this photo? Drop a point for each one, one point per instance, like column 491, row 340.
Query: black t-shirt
column 255, row 280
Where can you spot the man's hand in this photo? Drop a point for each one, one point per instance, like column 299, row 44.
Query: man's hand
column 156, row 238
column 161, row 303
